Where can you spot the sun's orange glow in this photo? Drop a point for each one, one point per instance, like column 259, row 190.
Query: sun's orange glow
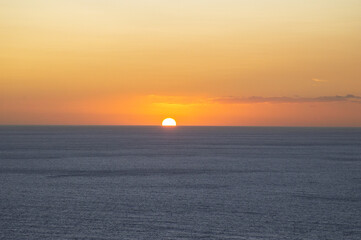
column 76, row 62
column 169, row 122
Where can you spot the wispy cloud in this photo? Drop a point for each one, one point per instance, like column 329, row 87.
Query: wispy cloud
column 317, row 80
column 189, row 100
column 256, row 99
column 176, row 100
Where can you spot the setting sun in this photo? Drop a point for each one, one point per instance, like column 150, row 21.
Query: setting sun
column 169, row 122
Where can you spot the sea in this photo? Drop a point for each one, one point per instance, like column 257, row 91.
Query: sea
column 152, row 182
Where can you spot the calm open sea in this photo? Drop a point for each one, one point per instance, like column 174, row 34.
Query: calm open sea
column 120, row 182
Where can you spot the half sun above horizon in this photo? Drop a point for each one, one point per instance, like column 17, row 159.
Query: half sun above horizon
column 169, row 122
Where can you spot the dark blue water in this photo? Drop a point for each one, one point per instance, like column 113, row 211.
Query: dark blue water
column 180, row 183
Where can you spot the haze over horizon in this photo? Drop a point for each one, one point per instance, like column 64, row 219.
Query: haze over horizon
column 204, row 62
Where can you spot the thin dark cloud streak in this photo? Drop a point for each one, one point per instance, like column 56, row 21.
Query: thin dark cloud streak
column 257, row 99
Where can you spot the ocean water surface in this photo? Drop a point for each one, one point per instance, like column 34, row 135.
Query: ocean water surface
column 127, row 182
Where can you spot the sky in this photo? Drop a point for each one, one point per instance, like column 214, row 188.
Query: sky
column 202, row 62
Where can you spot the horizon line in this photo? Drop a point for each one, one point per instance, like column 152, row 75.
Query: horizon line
column 151, row 125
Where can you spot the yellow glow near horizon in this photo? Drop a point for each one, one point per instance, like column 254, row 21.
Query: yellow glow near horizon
column 169, row 122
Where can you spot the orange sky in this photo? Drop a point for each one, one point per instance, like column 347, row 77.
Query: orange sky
column 204, row 62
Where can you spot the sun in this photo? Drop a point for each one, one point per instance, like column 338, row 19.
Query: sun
column 169, row 122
